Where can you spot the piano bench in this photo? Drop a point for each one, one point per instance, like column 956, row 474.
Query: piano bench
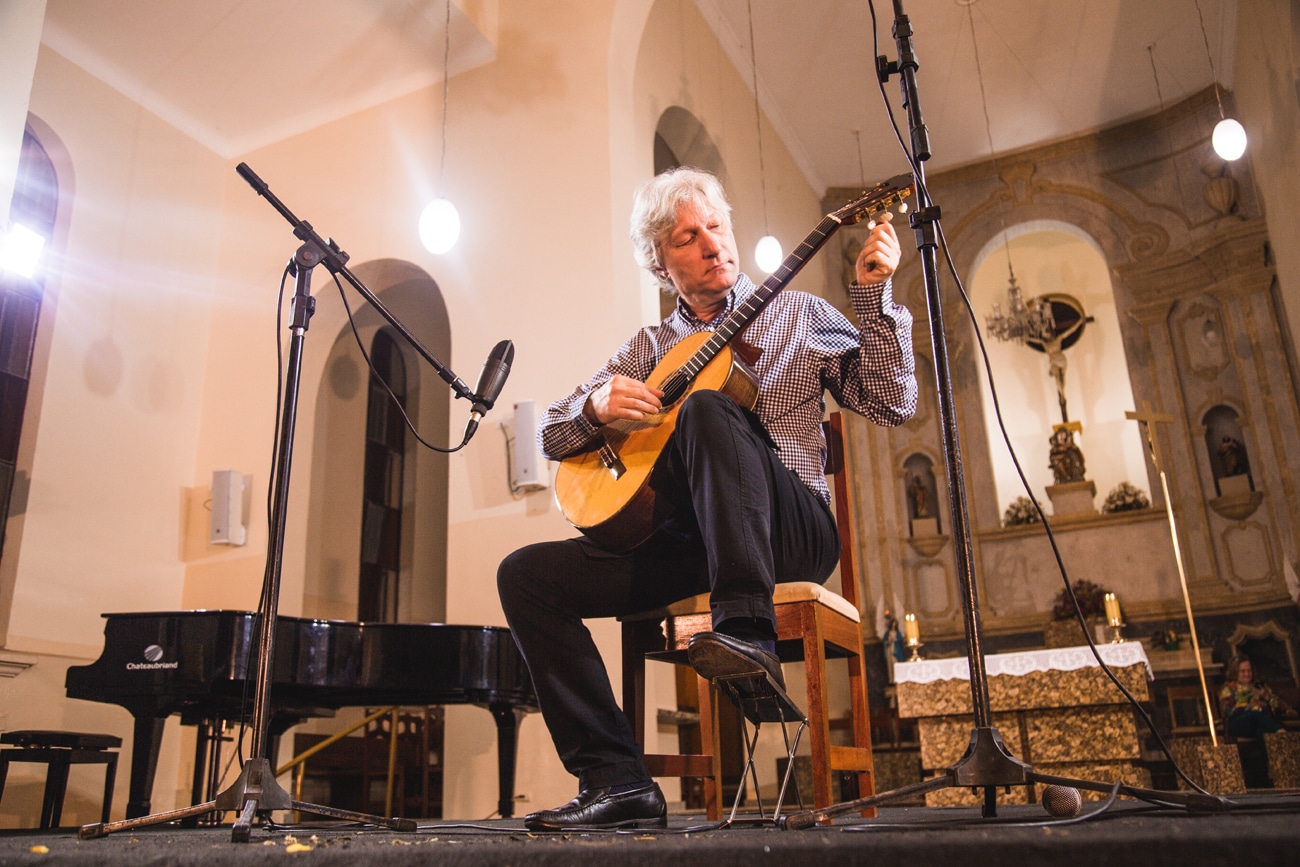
column 60, row 750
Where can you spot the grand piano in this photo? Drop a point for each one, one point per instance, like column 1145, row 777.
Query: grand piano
column 197, row 664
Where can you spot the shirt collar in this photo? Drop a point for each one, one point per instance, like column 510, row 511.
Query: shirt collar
column 740, row 290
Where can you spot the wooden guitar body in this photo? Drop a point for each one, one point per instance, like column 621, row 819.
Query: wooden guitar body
column 608, row 493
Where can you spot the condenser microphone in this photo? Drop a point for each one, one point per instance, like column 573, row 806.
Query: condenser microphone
column 491, row 379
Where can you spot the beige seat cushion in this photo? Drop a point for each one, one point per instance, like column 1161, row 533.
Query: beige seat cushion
column 793, row 591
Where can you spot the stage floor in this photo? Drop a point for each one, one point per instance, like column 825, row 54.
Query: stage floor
column 1260, row 830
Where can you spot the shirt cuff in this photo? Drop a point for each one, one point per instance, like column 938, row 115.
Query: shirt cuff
column 871, row 299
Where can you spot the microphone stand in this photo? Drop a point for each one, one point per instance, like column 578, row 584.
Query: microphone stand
column 257, row 792
column 987, row 763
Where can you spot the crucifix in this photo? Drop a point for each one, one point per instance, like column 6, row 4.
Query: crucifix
column 1149, row 419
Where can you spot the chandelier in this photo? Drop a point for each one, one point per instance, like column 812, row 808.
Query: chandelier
column 1023, row 320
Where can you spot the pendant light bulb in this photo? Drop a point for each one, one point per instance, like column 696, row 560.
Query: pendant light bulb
column 1229, row 139
column 439, row 226
column 768, row 254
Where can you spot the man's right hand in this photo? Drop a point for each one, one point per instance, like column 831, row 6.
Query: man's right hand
column 622, row 397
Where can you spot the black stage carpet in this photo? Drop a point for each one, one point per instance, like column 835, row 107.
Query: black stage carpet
column 1260, row 830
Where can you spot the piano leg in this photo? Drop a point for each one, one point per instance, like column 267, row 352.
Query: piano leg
column 145, row 745
column 507, row 718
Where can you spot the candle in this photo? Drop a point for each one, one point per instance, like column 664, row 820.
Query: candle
column 1112, row 610
column 911, row 631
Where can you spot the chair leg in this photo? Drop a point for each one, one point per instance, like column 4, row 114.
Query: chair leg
column 860, row 717
column 56, row 786
column 110, row 779
column 819, row 734
column 711, row 745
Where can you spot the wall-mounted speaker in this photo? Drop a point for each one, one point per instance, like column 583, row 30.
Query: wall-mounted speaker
column 227, row 526
column 528, row 468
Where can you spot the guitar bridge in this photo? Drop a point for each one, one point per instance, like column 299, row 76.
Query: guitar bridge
column 610, row 459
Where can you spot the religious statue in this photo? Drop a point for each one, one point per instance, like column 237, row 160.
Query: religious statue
column 1233, row 456
column 1065, row 460
column 892, row 640
column 920, row 498
column 1069, row 320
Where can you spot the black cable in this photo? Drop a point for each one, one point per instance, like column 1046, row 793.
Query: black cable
column 263, row 602
column 396, row 400
column 988, row 372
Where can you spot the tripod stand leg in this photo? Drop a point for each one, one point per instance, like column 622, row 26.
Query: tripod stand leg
column 103, row 829
column 244, row 824
column 808, row 818
column 392, row 824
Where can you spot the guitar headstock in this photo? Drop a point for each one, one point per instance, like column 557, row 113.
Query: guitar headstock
column 881, row 197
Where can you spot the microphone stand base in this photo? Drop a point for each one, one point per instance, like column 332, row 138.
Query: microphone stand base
column 988, row 765
column 255, row 793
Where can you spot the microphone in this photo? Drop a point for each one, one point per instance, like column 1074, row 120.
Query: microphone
column 491, row 379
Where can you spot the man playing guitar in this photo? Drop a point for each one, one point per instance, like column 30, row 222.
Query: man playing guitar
column 739, row 496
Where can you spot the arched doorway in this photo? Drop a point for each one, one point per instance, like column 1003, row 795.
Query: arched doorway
column 415, row 588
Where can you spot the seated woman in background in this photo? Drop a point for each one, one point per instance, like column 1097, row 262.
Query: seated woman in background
column 1249, row 709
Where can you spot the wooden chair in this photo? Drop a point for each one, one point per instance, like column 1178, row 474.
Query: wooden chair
column 813, row 625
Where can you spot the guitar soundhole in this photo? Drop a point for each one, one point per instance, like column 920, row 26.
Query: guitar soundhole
column 674, row 387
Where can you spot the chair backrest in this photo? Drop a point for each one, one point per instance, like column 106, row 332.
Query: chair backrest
column 1269, row 649
column 837, row 467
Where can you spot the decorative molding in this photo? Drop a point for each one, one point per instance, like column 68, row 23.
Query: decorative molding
column 928, row 546
column 12, row 664
column 1237, row 507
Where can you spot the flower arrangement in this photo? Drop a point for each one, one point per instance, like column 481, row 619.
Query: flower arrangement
column 1021, row 511
column 1092, row 601
column 1124, row 498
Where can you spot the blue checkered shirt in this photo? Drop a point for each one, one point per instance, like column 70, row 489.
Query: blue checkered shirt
column 808, row 347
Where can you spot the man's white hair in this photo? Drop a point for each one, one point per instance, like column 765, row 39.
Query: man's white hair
column 654, row 211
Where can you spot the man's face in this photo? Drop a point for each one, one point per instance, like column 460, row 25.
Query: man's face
column 699, row 254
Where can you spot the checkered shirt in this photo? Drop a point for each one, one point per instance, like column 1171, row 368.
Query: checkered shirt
column 808, row 347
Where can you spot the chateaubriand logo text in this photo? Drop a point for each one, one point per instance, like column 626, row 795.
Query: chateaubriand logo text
column 153, row 655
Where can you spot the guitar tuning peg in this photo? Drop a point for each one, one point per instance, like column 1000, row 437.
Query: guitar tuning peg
column 902, row 207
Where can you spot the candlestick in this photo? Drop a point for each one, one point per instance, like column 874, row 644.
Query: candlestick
column 1112, row 610
column 912, row 632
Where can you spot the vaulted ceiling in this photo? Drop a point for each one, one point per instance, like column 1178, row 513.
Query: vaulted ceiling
column 993, row 75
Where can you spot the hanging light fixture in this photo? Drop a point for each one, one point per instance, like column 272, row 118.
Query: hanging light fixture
column 1229, row 137
column 767, row 253
column 1023, row 320
column 440, row 221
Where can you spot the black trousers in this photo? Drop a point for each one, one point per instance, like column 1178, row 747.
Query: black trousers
column 744, row 521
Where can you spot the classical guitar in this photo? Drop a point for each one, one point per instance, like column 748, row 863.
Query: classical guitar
column 607, row 492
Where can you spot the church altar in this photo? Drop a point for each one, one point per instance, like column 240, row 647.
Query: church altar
column 1055, row 709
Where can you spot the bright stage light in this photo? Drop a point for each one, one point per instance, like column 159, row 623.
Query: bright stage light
column 439, row 226
column 20, row 250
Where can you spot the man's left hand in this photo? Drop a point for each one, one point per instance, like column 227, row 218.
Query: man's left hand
column 880, row 253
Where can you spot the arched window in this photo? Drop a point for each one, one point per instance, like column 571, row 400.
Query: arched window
column 34, row 205
column 381, row 509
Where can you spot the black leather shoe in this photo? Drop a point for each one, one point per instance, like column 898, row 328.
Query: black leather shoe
column 597, row 808
column 713, row 655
